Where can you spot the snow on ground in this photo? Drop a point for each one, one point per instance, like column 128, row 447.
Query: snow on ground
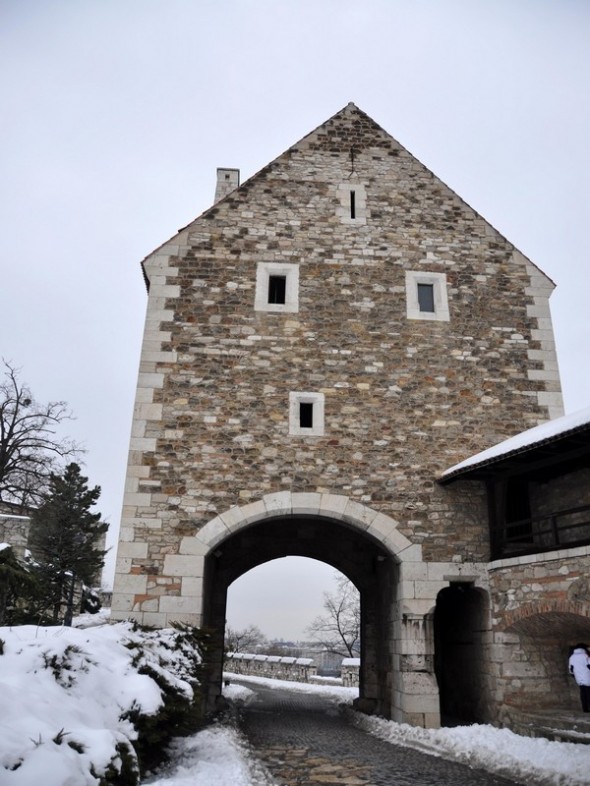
column 529, row 760
column 96, row 682
column 534, row 761
column 217, row 755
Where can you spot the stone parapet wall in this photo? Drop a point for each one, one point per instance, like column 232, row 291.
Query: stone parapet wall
column 271, row 666
column 350, row 672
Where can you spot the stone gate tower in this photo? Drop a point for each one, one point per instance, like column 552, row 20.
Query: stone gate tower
column 320, row 345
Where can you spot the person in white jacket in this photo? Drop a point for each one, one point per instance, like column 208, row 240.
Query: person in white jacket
column 579, row 666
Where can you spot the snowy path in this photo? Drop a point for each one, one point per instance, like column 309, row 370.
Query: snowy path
column 223, row 756
column 304, row 739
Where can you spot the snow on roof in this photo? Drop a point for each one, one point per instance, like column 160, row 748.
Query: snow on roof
column 351, row 661
column 304, row 661
column 546, row 432
column 288, row 660
column 5, row 546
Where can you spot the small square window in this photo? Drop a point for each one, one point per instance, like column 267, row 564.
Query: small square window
column 306, row 414
column 277, row 287
column 426, row 296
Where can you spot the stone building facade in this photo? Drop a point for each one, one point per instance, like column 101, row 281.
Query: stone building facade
column 320, row 346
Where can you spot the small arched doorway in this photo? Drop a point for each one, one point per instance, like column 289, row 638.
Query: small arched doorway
column 542, row 639
column 459, row 633
column 353, row 552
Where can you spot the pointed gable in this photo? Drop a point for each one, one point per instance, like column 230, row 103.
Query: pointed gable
column 351, row 147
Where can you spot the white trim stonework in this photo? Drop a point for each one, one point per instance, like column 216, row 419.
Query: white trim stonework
column 441, row 304
column 264, row 271
column 317, row 402
column 539, row 291
column 343, row 211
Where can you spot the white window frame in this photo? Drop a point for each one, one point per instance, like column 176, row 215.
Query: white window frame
column 264, row 271
column 317, row 400
column 438, row 281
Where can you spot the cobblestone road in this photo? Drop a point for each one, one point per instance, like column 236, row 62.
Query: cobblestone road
column 304, row 740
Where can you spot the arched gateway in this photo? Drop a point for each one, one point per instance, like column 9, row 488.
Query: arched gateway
column 357, row 541
column 320, row 346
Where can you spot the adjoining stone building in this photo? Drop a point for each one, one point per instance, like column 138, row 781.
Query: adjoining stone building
column 14, row 527
column 320, row 347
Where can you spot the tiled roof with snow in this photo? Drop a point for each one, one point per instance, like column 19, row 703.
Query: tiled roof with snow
column 548, row 432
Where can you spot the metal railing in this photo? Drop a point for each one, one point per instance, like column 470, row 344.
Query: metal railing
column 560, row 529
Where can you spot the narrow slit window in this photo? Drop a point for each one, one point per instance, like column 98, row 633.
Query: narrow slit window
column 353, row 204
column 277, row 288
column 305, row 414
column 426, row 297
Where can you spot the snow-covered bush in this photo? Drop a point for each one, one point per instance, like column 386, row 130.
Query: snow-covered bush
column 95, row 706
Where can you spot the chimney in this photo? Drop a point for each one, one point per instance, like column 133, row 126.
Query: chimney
column 227, row 181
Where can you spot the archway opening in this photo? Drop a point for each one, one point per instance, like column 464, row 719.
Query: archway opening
column 281, row 597
column 459, row 640
column 348, row 549
column 544, row 643
column 293, row 607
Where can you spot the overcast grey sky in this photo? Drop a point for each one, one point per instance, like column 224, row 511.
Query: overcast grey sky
column 116, row 113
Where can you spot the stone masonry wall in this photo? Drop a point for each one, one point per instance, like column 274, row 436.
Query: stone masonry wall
column 540, row 607
column 14, row 530
column 404, row 398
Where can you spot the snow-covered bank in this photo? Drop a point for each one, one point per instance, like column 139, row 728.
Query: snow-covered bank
column 71, row 697
column 535, row 761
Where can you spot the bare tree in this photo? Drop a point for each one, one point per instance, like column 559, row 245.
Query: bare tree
column 30, row 449
column 339, row 629
column 247, row 640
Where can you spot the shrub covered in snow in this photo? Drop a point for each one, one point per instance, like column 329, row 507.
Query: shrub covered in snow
column 91, row 707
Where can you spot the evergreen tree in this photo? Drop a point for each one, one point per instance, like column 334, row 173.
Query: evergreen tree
column 16, row 583
column 65, row 538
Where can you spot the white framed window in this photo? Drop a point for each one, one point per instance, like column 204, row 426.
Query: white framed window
column 306, row 414
column 277, row 287
column 426, row 296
